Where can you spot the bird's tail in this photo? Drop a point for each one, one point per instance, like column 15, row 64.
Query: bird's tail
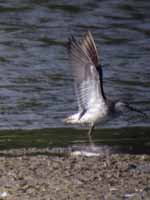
column 73, row 119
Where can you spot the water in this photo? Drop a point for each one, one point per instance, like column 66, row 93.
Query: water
column 35, row 84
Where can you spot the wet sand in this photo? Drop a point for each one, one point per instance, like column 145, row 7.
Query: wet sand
column 27, row 176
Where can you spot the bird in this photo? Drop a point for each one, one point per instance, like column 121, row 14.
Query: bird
column 93, row 105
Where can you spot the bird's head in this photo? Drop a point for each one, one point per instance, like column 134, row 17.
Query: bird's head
column 121, row 106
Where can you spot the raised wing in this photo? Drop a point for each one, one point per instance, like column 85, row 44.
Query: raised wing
column 86, row 71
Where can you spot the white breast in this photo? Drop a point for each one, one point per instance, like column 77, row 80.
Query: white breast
column 95, row 114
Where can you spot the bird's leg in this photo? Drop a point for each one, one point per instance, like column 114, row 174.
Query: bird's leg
column 90, row 137
column 90, row 130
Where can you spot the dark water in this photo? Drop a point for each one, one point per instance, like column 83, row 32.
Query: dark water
column 36, row 86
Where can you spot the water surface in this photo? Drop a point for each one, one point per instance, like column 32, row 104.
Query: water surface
column 36, row 88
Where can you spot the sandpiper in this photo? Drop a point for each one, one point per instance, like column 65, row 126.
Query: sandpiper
column 93, row 105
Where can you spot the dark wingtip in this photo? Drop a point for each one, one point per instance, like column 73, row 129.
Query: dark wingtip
column 71, row 39
column 89, row 45
column 68, row 43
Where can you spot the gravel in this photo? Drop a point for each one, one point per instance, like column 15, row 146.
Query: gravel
column 30, row 175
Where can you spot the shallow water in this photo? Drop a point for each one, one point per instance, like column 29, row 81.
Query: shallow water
column 36, row 85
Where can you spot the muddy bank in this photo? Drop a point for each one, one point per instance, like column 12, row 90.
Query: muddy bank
column 24, row 175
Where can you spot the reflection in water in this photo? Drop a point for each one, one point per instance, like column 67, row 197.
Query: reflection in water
column 89, row 150
column 65, row 141
column 35, row 82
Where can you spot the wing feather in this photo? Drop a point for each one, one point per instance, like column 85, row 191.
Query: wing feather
column 84, row 61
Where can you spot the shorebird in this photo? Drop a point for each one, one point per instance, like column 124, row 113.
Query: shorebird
column 93, row 105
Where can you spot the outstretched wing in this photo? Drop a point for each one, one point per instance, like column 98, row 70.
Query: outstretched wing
column 86, row 71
